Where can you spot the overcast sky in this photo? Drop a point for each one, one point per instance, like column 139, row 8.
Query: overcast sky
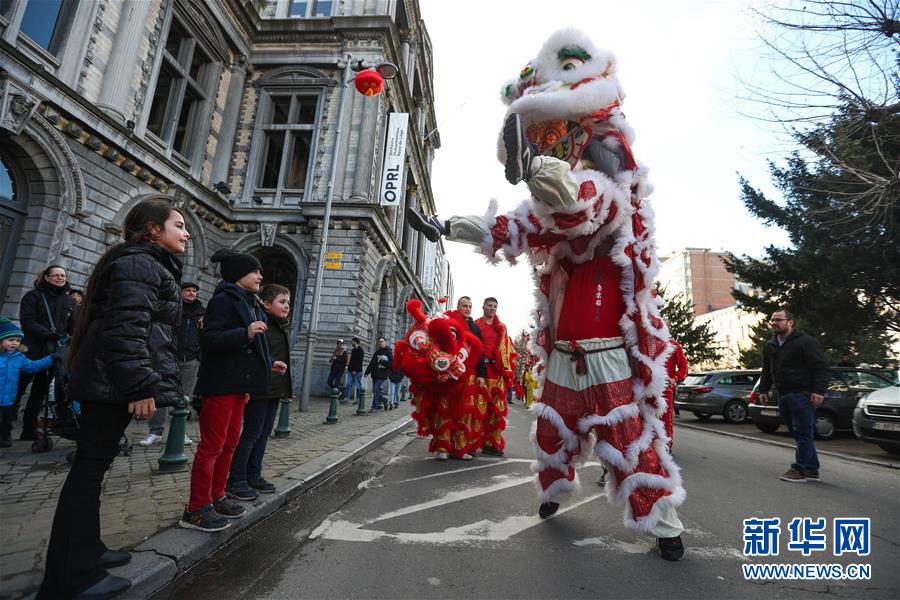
column 679, row 63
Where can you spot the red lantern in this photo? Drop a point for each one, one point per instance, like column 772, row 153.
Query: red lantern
column 442, row 300
column 369, row 82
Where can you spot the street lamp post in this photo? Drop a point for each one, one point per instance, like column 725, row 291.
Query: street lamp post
column 371, row 87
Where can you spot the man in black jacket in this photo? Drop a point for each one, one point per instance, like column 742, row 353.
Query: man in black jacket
column 188, row 354
column 354, row 368
column 379, row 368
column 795, row 365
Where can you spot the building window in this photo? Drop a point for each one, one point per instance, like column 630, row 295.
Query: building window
column 287, row 143
column 46, row 22
column 183, row 88
column 305, row 8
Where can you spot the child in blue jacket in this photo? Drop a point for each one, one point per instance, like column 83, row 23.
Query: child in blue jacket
column 13, row 362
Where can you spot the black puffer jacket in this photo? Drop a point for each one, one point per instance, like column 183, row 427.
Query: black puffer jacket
column 278, row 338
column 40, row 337
column 231, row 363
column 128, row 350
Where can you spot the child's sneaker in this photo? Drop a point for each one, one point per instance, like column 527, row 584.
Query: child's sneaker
column 261, row 485
column 150, row 440
column 228, row 508
column 240, row 490
column 204, row 518
column 187, row 441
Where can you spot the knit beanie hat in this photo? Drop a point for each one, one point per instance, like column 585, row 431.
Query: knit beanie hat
column 235, row 265
column 8, row 329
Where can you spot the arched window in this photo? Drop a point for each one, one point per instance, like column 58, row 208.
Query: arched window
column 12, row 216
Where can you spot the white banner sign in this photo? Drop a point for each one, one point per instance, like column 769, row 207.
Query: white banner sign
column 393, row 174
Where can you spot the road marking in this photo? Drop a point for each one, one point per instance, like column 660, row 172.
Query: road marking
column 645, row 546
column 467, row 469
column 485, row 530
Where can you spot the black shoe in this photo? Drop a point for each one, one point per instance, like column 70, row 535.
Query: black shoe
column 204, row 518
column 228, row 508
column 491, row 451
column 28, row 435
column 670, row 548
column 548, row 509
column 114, row 558
column 519, row 151
column 432, row 227
column 240, row 490
column 107, row 587
column 5, row 442
column 261, row 485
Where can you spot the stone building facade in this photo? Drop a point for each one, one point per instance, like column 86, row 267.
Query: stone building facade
column 230, row 107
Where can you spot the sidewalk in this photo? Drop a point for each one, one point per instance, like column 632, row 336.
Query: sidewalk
column 138, row 504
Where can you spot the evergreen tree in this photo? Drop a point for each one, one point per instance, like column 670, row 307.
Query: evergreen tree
column 697, row 340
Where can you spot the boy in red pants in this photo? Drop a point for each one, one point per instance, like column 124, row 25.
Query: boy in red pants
column 235, row 363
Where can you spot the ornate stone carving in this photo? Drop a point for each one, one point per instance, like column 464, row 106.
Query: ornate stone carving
column 267, row 232
column 17, row 104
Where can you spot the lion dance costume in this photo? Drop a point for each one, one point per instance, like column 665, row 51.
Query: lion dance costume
column 588, row 234
column 439, row 355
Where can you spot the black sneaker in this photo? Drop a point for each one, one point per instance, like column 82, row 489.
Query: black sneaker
column 5, row 442
column 491, row 451
column 228, row 508
column 432, row 227
column 204, row 518
column 812, row 474
column 261, row 485
column 548, row 509
column 240, row 490
column 670, row 548
column 519, row 151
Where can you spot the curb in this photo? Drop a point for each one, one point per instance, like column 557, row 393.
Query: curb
column 859, row 459
column 161, row 558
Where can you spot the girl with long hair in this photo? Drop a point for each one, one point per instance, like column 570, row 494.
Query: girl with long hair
column 122, row 364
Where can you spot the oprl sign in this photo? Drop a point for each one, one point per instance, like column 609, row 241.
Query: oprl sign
column 394, row 153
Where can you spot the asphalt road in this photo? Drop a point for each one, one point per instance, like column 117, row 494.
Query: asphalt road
column 396, row 524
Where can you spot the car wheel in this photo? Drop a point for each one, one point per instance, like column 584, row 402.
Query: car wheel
column 891, row 448
column 735, row 412
column 767, row 427
column 703, row 416
column 824, row 427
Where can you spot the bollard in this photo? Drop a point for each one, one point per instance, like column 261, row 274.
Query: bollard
column 403, row 392
column 332, row 417
column 361, row 400
column 284, row 418
column 174, row 459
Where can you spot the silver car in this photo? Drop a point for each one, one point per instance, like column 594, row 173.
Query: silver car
column 725, row 393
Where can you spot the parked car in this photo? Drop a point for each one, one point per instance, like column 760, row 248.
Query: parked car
column 876, row 419
column 725, row 393
column 845, row 387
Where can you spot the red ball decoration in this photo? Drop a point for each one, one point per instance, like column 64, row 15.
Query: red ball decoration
column 369, row 82
column 442, row 300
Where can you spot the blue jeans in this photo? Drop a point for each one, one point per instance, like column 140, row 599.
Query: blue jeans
column 799, row 415
column 354, row 381
column 394, row 393
column 259, row 419
column 377, row 392
column 335, row 378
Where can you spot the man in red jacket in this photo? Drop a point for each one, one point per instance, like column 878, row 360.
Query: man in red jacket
column 499, row 357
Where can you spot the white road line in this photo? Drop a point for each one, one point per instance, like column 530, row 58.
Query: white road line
column 645, row 546
column 466, row 469
column 479, row 531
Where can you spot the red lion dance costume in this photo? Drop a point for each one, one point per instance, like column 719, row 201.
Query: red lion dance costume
column 439, row 354
column 587, row 232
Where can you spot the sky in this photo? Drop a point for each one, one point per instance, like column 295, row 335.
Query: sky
column 681, row 65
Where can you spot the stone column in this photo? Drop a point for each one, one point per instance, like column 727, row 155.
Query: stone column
column 116, row 86
column 230, row 116
column 365, row 152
